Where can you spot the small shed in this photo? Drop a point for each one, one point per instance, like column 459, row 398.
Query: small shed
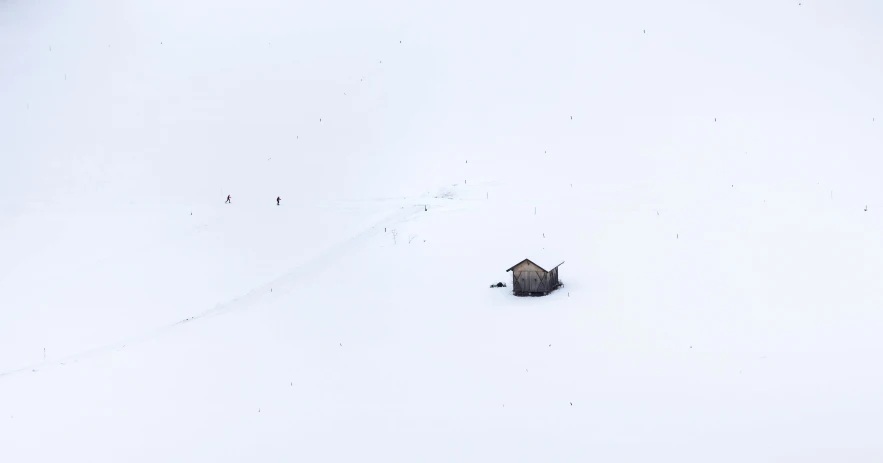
column 531, row 279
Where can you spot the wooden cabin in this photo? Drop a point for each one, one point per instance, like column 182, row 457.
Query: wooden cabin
column 531, row 279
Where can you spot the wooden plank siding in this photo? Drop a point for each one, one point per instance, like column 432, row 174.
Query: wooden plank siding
column 529, row 279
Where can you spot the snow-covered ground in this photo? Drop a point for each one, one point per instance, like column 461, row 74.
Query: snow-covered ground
column 703, row 171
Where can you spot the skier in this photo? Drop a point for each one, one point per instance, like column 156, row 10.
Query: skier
column 277, row 200
column 228, row 199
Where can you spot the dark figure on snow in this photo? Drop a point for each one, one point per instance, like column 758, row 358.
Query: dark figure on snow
column 277, row 200
column 228, row 199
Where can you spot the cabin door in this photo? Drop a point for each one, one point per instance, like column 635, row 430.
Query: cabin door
column 533, row 281
column 524, row 281
column 542, row 282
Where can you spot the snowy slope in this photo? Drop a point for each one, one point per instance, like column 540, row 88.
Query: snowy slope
column 703, row 170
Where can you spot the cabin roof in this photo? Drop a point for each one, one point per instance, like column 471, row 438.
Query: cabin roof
column 544, row 268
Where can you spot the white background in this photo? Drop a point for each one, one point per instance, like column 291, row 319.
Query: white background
column 702, row 169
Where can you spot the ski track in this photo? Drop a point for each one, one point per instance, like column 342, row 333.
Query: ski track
column 284, row 283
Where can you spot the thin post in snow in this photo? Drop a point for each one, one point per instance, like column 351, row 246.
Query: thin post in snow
column 44, row 354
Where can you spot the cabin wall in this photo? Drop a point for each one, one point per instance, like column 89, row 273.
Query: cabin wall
column 527, row 278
